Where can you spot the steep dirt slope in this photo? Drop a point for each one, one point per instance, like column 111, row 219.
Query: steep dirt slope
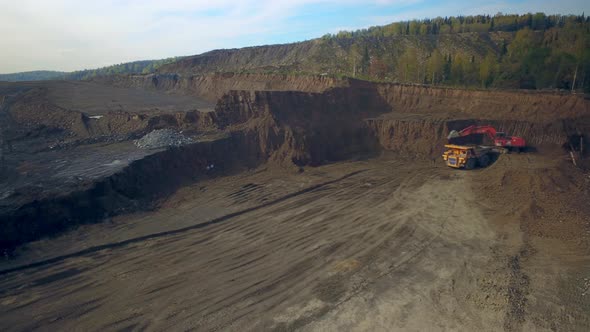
column 213, row 86
column 340, row 56
column 286, row 128
column 390, row 243
column 84, row 110
column 541, row 117
column 304, row 128
column 410, row 119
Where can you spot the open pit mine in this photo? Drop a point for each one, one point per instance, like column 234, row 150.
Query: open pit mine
column 270, row 202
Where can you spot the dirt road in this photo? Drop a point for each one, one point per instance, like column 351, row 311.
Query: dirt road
column 377, row 245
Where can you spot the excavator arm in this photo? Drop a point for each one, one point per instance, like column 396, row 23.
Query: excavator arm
column 499, row 138
column 471, row 130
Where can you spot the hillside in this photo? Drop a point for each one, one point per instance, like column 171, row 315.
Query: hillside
column 135, row 67
column 37, row 75
column 532, row 51
column 504, row 51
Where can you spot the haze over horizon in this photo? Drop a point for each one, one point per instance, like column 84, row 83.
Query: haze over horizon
column 69, row 35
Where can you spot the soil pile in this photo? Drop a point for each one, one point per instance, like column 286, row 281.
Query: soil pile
column 543, row 193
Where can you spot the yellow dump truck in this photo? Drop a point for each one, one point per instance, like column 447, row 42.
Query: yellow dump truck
column 467, row 156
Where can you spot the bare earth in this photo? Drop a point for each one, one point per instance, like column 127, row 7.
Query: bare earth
column 378, row 245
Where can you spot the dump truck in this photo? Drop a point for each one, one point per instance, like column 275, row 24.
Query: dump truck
column 467, row 156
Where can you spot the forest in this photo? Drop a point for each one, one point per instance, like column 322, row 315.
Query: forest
column 531, row 51
column 136, row 67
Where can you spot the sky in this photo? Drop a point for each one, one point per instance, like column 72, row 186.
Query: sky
column 67, row 35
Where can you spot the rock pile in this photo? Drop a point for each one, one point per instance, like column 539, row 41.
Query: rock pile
column 161, row 138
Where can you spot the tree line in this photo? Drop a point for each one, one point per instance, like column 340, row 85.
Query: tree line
column 136, row 67
column 531, row 51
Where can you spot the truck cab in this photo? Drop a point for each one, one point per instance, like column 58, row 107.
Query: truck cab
column 466, row 156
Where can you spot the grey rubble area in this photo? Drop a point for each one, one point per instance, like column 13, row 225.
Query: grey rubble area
column 162, row 138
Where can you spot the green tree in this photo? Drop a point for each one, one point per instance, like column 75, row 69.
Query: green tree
column 487, row 69
column 457, row 69
column 414, row 28
column 365, row 60
column 435, row 67
column 523, row 41
column 408, row 65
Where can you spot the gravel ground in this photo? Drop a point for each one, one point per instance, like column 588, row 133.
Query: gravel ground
column 162, row 138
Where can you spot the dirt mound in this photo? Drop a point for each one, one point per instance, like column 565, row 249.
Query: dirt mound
column 546, row 195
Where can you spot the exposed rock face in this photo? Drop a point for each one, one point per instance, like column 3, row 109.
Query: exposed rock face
column 410, row 118
column 134, row 188
column 318, row 127
column 34, row 110
column 515, row 105
column 213, row 86
column 329, row 121
column 304, row 128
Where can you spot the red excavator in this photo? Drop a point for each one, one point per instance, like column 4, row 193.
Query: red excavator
column 499, row 138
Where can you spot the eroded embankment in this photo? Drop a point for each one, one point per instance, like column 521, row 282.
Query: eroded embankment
column 136, row 187
column 300, row 128
column 416, row 118
column 211, row 87
column 366, row 117
column 304, row 128
column 33, row 111
column 420, row 117
column 426, row 137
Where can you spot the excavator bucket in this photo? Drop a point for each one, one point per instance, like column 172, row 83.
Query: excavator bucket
column 453, row 134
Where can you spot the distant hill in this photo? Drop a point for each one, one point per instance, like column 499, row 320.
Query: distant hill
column 532, row 51
column 136, row 67
column 38, row 75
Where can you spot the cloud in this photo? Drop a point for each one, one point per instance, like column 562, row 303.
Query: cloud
column 74, row 34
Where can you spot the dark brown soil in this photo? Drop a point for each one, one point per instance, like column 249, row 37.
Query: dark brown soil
column 326, row 210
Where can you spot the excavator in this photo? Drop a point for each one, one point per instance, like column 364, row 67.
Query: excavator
column 500, row 139
column 468, row 157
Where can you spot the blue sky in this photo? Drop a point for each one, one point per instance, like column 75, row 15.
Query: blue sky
column 78, row 34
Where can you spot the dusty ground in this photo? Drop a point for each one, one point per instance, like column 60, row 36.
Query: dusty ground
column 396, row 242
column 59, row 138
column 386, row 244
column 98, row 99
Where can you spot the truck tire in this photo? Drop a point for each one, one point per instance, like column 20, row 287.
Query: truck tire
column 471, row 163
column 484, row 160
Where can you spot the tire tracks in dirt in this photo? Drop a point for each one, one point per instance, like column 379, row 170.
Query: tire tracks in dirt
column 176, row 231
